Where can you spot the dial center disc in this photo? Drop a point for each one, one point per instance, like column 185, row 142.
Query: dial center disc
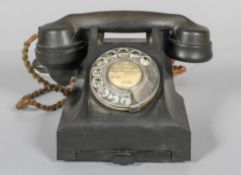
column 124, row 74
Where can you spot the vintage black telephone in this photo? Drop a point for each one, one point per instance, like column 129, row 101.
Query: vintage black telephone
column 123, row 106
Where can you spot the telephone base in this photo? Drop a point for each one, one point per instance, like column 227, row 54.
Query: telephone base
column 156, row 137
column 158, row 132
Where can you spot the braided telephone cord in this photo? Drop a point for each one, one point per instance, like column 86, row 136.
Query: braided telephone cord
column 177, row 70
column 29, row 99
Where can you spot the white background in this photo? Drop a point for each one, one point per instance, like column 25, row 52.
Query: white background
column 212, row 91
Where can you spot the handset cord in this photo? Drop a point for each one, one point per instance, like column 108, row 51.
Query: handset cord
column 29, row 99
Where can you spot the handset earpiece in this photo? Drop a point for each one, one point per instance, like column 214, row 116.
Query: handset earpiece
column 60, row 51
column 190, row 42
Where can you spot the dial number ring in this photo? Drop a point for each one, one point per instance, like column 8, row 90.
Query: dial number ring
column 124, row 79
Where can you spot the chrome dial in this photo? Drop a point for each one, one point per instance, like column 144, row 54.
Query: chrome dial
column 124, row 79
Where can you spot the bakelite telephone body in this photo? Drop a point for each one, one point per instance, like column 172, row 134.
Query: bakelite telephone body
column 124, row 107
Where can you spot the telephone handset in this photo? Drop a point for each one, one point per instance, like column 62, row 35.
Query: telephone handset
column 123, row 107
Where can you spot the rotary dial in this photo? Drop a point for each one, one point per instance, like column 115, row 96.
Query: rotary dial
column 124, row 79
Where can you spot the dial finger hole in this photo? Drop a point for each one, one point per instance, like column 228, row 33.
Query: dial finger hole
column 100, row 62
column 103, row 92
column 145, row 60
column 113, row 98
column 97, row 82
column 111, row 54
column 125, row 101
column 135, row 54
column 97, row 72
column 123, row 53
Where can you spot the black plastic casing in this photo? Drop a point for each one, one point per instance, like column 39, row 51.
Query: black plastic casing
column 89, row 131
